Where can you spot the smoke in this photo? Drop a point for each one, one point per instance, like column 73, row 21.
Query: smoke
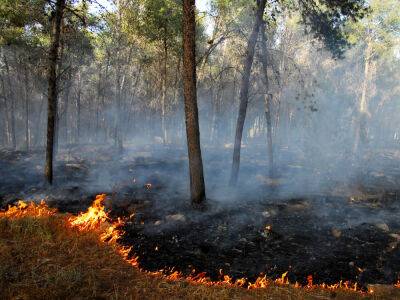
column 314, row 120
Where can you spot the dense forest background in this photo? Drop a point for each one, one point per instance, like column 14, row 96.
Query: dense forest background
column 119, row 77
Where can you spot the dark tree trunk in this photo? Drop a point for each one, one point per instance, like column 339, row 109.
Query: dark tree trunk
column 268, row 100
column 57, row 126
column 197, row 187
column 52, row 87
column 244, row 90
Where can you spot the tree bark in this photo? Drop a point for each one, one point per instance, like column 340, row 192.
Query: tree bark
column 38, row 133
column 99, row 100
column 118, row 130
column 78, row 111
column 67, row 90
column 268, row 100
column 5, row 118
column 164, row 88
column 52, row 87
column 12, row 98
column 197, row 187
column 363, row 113
column 26, row 96
column 244, row 90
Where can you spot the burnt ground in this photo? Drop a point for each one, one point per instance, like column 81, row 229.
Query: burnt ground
column 300, row 238
column 307, row 221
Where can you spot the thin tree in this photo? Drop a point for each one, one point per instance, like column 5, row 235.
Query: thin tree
column 11, row 96
column 325, row 19
column 56, row 19
column 244, row 89
column 197, row 187
column 268, row 100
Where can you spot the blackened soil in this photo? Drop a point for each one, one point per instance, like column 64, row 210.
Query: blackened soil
column 331, row 238
column 255, row 229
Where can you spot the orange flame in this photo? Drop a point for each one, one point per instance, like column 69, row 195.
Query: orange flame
column 96, row 217
column 23, row 209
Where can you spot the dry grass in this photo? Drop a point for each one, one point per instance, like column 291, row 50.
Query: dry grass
column 43, row 258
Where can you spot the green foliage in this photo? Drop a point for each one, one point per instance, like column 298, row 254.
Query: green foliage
column 327, row 18
column 158, row 21
column 380, row 28
column 21, row 20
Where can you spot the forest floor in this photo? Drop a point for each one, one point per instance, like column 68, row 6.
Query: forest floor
column 311, row 219
column 42, row 258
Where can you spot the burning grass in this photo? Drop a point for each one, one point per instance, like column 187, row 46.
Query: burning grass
column 47, row 255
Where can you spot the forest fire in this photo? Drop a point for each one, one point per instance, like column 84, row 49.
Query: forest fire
column 235, row 145
column 23, row 209
column 96, row 219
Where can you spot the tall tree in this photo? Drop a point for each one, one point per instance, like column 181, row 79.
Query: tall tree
column 197, row 187
column 160, row 22
column 244, row 89
column 268, row 100
column 377, row 34
column 325, row 18
column 56, row 16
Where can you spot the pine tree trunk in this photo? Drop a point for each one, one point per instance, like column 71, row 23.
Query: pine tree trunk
column 38, row 133
column 68, row 85
column 118, row 130
column 197, row 187
column 5, row 117
column 164, row 90
column 52, row 87
column 244, row 90
column 268, row 100
column 78, row 111
column 26, row 96
column 99, row 101
column 12, row 98
column 361, row 136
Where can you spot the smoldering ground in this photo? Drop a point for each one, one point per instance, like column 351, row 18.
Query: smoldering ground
column 305, row 220
column 326, row 212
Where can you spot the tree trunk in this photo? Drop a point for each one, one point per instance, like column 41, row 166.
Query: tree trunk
column 118, row 130
column 78, row 111
column 52, row 87
column 4, row 115
column 12, row 98
column 268, row 100
column 197, row 187
column 38, row 133
column 57, row 126
column 244, row 90
column 131, row 108
column 68, row 85
column 213, row 123
column 164, row 90
column 361, row 136
column 99, row 101
column 26, row 96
